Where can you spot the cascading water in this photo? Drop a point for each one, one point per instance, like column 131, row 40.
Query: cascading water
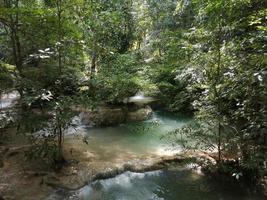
column 173, row 183
column 139, row 99
column 8, row 100
column 130, row 141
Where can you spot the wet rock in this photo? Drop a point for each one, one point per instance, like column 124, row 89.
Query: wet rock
column 36, row 173
column 138, row 167
column 264, row 185
column 3, row 151
column 12, row 153
column 109, row 116
column 139, row 115
column 52, row 181
column 103, row 117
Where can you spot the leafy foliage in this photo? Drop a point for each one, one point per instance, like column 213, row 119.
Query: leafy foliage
column 202, row 57
column 224, row 45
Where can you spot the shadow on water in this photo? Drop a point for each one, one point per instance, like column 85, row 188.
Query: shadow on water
column 174, row 183
column 135, row 138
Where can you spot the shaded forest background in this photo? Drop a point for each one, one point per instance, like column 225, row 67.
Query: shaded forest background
column 205, row 58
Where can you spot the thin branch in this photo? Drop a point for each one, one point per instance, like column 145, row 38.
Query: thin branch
column 4, row 22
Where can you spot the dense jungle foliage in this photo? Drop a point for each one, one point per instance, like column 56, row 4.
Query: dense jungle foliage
column 205, row 58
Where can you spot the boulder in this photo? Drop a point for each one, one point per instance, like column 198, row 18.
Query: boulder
column 139, row 115
column 109, row 116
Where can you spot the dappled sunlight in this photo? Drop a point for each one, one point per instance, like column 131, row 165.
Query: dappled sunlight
column 133, row 99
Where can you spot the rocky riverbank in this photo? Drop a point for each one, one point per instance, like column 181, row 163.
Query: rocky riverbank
column 113, row 115
column 24, row 180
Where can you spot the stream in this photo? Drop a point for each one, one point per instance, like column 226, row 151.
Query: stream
column 171, row 183
column 137, row 139
column 174, row 183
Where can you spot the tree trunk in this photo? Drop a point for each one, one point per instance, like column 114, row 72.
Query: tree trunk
column 15, row 40
column 59, row 13
column 219, row 144
column 93, row 65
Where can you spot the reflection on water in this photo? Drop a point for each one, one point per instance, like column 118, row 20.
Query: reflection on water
column 170, row 184
column 133, row 138
column 174, row 183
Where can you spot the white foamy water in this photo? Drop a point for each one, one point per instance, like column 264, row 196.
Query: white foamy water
column 126, row 181
column 174, row 183
column 76, row 127
column 130, row 143
column 139, row 98
column 8, row 100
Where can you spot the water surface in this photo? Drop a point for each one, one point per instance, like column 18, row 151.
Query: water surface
column 174, row 183
column 134, row 138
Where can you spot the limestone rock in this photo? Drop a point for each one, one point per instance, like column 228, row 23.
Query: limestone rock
column 109, row 116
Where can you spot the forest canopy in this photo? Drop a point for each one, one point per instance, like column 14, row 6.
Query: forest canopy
column 201, row 58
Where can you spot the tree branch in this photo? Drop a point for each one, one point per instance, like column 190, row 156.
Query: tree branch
column 4, row 22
